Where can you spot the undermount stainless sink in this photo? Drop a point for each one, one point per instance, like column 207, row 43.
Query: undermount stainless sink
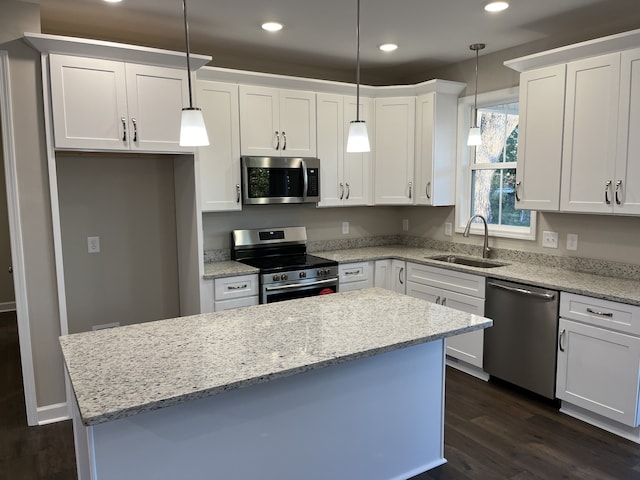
column 470, row 262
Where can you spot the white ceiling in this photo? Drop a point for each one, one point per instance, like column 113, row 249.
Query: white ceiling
column 320, row 34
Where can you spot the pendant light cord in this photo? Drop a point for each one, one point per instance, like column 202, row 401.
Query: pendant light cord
column 358, row 65
column 475, row 100
column 186, row 37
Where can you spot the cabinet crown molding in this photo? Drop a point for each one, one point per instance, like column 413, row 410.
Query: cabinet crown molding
column 120, row 52
column 589, row 48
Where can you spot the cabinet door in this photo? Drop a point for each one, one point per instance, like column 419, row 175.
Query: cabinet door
column 590, row 134
column 627, row 180
column 358, row 172
column 542, row 94
column 598, row 371
column 331, row 149
column 382, row 274
column 398, row 276
column 435, row 176
column 468, row 347
column 219, row 163
column 394, row 150
column 425, row 292
column 155, row 97
column 259, row 121
column 297, row 123
column 89, row 103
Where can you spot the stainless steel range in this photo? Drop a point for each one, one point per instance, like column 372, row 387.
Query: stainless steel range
column 286, row 271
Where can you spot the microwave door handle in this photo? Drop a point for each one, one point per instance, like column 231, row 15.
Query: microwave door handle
column 305, row 179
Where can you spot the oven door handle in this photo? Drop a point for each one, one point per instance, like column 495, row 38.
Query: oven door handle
column 299, row 285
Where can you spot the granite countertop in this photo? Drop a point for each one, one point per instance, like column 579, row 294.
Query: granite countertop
column 228, row 268
column 128, row 370
column 598, row 286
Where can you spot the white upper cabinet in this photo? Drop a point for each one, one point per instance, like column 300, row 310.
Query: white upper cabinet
column 107, row 105
column 540, row 138
column 626, row 195
column 346, row 178
column 590, row 134
column 394, row 150
column 277, row 122
column 219, row 163
column 435, row 160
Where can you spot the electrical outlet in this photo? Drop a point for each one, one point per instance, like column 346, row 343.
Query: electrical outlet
column 405, row 225
column 572, row 241
column 345, row 228
column 93, row 244
column 550, row 239
column 448, row 229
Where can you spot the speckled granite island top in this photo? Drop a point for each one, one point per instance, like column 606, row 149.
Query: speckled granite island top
column 124, row 371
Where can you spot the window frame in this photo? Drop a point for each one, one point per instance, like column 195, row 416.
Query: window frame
column 464, row 173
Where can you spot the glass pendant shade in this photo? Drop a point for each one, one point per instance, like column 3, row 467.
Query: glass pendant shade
column 358, row 140
column 193, row 132
column 474, row 137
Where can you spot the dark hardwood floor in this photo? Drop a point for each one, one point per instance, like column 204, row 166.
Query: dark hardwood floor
column 27, row 453
column 492, row 431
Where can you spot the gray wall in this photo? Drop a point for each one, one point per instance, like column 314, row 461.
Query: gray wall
column 129, row 202
column 6, row 279
column 17, row 17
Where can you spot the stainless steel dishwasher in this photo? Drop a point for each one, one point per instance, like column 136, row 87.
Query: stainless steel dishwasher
column 521, row 346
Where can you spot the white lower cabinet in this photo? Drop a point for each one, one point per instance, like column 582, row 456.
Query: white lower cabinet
column 461, row 291
column 235, row 292
column 599, row 357
column 391, row 275
column 355, row 276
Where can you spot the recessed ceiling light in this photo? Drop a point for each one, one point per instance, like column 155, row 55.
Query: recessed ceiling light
column 496, row 6
column 113, row 1
column 388, row 47
column 272, row 26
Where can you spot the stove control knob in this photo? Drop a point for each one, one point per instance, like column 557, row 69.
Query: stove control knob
column 284, row 276
column 303, row 274
column 276, row 278
column 320, row 272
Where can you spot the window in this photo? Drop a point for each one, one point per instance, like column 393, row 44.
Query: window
column 488, row 172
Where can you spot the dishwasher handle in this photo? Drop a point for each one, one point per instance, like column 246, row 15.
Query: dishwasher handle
column 524, row 291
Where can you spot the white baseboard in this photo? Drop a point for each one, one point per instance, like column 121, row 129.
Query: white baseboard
column 7, row 307
column 53, row 413
column 467, row 368
column 611, row 426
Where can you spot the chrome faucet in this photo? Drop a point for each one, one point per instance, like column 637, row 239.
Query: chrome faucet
column 485, row 249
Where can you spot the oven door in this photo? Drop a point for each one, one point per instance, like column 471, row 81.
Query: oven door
column 277, row 292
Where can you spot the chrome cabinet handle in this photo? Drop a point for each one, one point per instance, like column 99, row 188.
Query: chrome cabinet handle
column 348, row 191
column 135, row 130
column 278, row 140
column 341, row 190
column 426, row 190
column 444, row 301
column 599, row 313
column 352, row 272
column 618, row 185
column 236, row 287
column 606, row 192
column 124, row 128
column 237, row 193
column 284, row 139
column 410, row 188
column 400, row 275
column 11, row 269
column 438, row 300
column 560, row 337
column 518, row 183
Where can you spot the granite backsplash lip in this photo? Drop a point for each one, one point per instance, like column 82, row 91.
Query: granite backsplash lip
column 119, row 372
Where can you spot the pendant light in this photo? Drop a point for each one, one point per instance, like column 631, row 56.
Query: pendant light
column 474, row 133
column 358, row 140
column 193, row 132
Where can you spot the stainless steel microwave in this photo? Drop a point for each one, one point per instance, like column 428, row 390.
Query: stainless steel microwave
column 280, row 180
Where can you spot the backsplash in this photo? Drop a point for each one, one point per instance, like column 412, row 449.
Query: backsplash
column 577, row 264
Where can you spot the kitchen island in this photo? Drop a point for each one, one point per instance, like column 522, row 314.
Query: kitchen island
column 349, row 385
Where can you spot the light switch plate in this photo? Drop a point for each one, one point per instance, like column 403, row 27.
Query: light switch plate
column 93, row 244
column 550, row 239
column 572, row 241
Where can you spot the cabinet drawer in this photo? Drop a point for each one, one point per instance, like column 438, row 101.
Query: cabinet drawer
column 460, row 282
column 236, row 303
column 235, row 287
column 356, row 272
column 601, row 313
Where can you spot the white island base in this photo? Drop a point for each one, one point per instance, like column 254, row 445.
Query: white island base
column 379, row 417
